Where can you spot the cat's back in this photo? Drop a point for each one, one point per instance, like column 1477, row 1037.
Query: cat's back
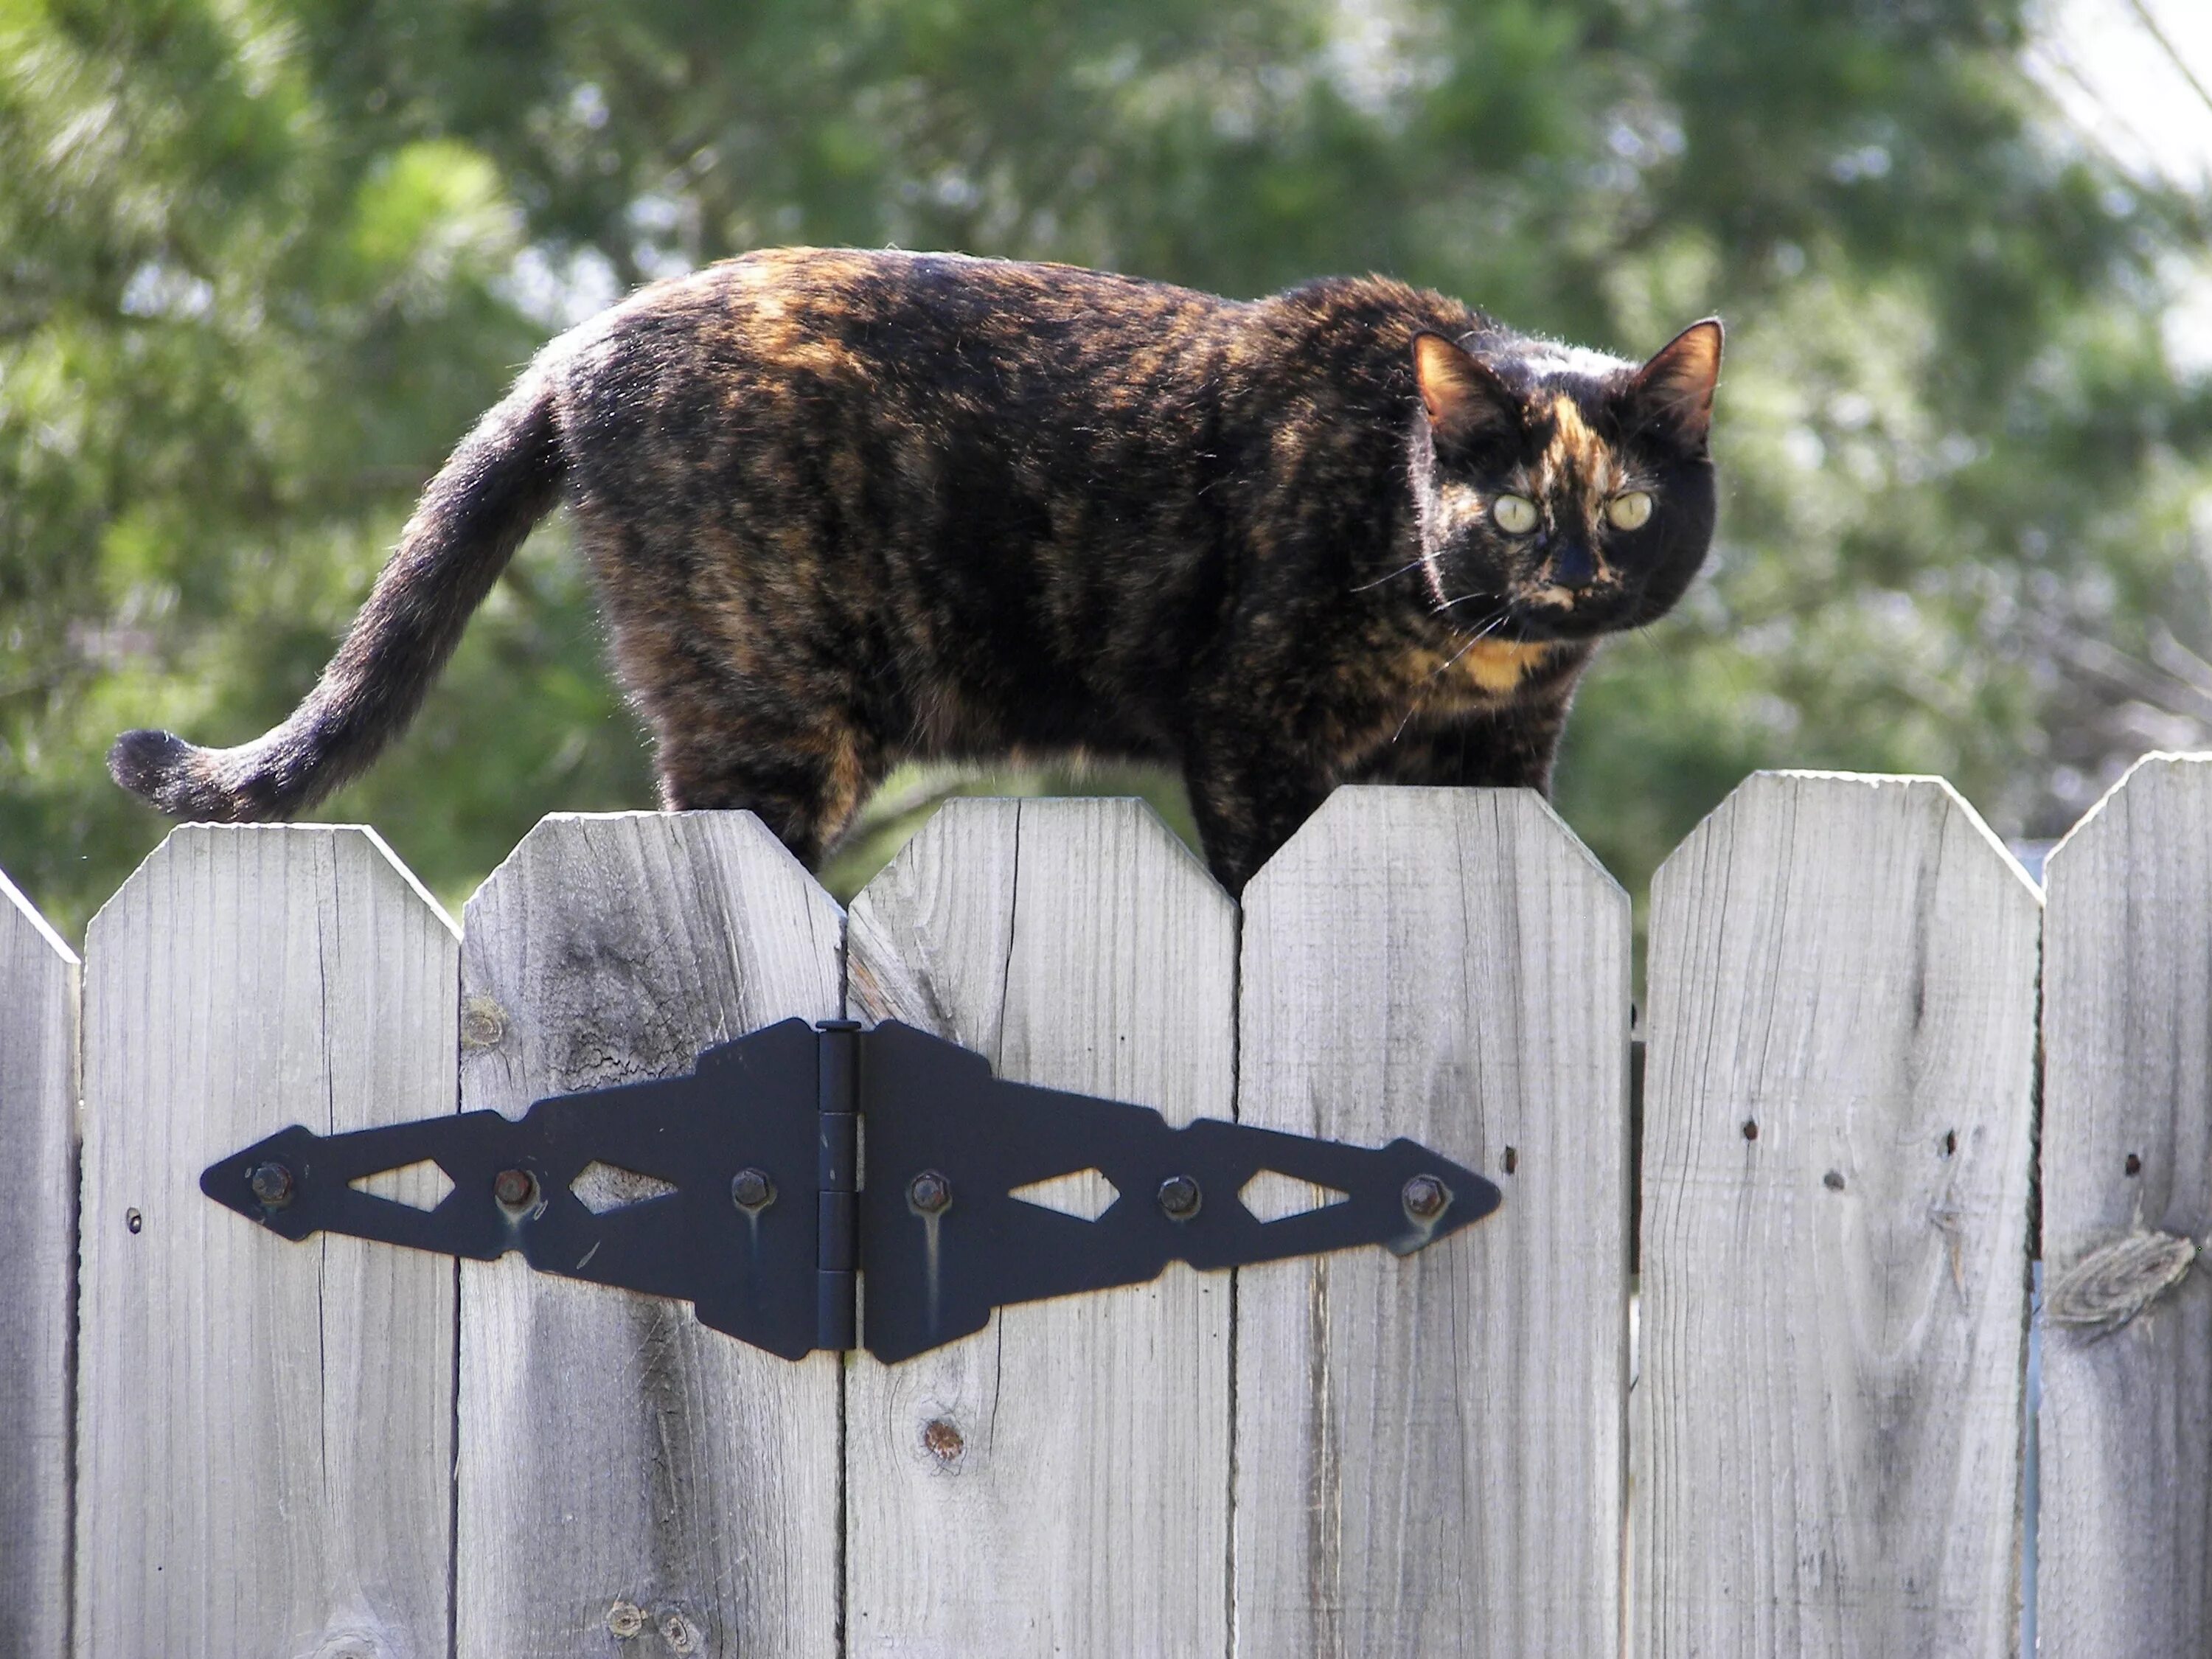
column 893, row 324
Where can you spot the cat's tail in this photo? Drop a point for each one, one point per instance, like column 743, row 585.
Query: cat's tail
column 503, row 479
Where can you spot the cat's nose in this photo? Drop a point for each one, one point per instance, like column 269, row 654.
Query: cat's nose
column 1572, row 568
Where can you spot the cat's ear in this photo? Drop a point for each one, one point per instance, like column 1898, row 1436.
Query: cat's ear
column 1463, row 395
column 1674, row 390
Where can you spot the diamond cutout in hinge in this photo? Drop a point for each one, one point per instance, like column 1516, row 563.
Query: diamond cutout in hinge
column 605, row 1187
column 1086, row 1194
column 1271, row 1195
column 421, row 1185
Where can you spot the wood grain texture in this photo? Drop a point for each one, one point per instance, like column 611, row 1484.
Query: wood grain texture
column 624, row 1471
column 2125, row 1535
column 1839, row 1120
column 38, row 985
column 265, row 1428
column 1431, row 1452
column 1057, row 1484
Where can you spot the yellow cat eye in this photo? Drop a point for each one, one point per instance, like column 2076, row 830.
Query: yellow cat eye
column 1516, row 514
column 1631, row 510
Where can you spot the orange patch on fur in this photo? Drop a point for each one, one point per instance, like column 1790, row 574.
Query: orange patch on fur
column 1498, row 666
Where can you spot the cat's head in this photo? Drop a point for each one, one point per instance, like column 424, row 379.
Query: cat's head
column 1563, row 493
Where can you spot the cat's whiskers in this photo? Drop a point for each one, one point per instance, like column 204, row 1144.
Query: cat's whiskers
column 1445, row 667
column 1415, row 565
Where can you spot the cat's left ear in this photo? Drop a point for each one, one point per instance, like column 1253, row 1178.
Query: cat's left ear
column 1676, row 388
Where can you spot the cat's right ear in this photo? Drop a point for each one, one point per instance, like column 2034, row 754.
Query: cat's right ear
column 1465, row 399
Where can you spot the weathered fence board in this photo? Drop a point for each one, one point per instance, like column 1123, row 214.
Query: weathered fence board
column 2125, row 1540
column 1836, row 1142
column 1059, row 1483
column 624, row 1471
column 37, row 1129
column 1431, row 1452
column 265, row 1428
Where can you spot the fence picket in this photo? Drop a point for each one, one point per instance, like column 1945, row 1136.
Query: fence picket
column 1837, row 1135
column 1059, row 1483
column 38, row 985
column 1431, row 1452
column 625, row 1472
column 2126, row 1540
column 265, row 1428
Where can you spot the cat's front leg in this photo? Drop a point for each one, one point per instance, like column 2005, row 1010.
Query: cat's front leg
column 1250, row 796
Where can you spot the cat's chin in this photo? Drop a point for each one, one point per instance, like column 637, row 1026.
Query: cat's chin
column 1556, row 625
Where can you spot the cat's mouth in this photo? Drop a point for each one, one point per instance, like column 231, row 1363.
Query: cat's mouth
column 1538, row 617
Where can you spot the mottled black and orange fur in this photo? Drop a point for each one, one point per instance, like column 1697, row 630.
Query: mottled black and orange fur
column 844, row 509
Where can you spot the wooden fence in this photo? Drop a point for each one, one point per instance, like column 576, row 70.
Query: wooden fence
column 1805, row 1435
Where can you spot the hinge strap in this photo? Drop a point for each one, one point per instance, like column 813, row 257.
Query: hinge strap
column 838, row 1226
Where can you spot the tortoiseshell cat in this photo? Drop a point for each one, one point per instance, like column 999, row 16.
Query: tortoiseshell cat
column 844, row 509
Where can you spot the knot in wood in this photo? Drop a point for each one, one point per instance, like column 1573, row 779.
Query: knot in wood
column 2114, row 1283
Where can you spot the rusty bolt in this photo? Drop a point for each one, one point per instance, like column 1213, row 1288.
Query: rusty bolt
column 929, row 1193
column 1180, row 1197
column 1425, row 1197
column 752, row 1191
column 516, row 1189
column 942, row 1440
column 271, row 1184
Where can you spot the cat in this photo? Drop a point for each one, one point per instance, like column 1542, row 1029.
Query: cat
column 844, row 509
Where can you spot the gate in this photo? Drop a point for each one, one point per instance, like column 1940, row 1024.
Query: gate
column 1803, row 1436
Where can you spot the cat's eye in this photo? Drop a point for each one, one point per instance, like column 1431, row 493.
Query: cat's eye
column 1516, row 514
column 1631, row 510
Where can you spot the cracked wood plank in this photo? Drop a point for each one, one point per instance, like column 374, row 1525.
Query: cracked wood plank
column 1431, row 1451
column 1058, row 1483
column 265, row 1428
column 2126, row 1540
column 38, row 985
column 1838, row 1125
column 624, row 1471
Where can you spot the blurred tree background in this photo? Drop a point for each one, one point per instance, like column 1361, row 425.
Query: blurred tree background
column 262, row 261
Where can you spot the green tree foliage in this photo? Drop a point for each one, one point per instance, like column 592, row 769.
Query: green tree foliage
column 262, row 261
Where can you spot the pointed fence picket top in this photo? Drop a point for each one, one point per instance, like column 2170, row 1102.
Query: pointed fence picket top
column 39, row 983
column 625, row 1472
column 1838, row 1125
column 265, row 1428
column 1058, row 1483
column 1429, row 1451
column 2126, row 1540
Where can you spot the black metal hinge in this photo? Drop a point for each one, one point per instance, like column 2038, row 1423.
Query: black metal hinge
column 740, row 1190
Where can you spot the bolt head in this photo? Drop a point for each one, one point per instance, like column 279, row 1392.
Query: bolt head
column 751, row 1190
column 516, row 1189
column 1425, row 1197
column 271, row 1184
column 929, row 1193
column 1180, row 1197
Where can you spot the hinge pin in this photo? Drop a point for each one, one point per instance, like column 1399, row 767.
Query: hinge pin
column 1180, row 1197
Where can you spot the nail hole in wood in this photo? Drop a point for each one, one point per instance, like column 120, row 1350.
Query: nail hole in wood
column 133, row 1220
column 1512, row 1160
column 1950, row 1142
column 1750, row 1128
column 2135, row 1165
column 1833, row 1181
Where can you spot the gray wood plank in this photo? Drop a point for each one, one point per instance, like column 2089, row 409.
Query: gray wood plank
column 1059, row 1482
column 624, row 1471
column 2125, row 1535
column 1839, row 1119
column 38, row 986
column 1431, row 1452
column 265, row 1428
